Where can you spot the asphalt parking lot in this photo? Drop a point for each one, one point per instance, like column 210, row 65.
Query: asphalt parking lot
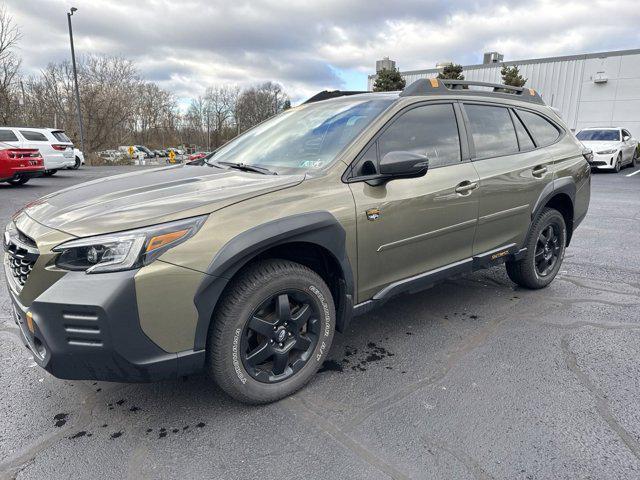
column 473, row 379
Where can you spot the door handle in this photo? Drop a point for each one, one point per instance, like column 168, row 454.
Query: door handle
column 466, row 187
column 539, row 171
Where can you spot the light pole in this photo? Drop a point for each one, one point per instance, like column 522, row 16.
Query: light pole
column 75, row 78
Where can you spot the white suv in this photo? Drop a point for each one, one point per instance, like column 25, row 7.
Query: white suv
column 55, row 147
column 613, row 147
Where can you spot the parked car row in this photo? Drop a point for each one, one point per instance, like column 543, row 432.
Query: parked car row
column 30, row 152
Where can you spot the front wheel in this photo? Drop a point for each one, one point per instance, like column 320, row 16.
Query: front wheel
column 271, row 331
column 50, row 173
column 76, row 165
column 545, row 244
column 618, row 165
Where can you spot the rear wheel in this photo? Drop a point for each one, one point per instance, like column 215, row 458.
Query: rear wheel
column 18, row 181
column 634, row 159
column 545, row 251
column 271, row 331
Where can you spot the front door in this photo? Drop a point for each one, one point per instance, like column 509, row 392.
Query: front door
column 409, row 226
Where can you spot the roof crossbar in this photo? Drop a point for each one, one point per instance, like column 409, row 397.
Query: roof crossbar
column 327, row 94
column 438, row 86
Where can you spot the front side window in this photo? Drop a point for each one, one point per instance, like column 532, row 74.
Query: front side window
column 8, row 136
column 492, row 130
column 544, row 132
column 599, row 135
column 304, row 138
column 429, row 130
column 33, row 136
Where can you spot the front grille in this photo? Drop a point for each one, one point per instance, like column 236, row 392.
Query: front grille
column 22, row 254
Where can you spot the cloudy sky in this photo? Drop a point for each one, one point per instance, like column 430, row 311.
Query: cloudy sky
column 313, row 45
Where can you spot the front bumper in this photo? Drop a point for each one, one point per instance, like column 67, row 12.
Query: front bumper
column 86, row 327
column 604, row 162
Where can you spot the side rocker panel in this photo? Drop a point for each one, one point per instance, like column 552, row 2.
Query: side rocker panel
column 319, row 228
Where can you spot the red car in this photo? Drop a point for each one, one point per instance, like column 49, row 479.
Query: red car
column 18, row 165
column 197, row 155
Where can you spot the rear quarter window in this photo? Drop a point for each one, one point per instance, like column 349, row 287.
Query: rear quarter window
column 34, row 136
column 8, row 136
column 544, row 132
column 61, row 137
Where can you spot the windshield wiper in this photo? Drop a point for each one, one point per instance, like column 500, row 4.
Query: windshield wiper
column 247, row 168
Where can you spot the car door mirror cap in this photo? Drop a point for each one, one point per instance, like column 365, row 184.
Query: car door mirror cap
column 626, row 138
column 396, row 165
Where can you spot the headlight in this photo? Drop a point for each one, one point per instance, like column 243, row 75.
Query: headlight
column 125, row 250
column 607, row 152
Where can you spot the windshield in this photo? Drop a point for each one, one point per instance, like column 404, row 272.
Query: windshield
column 599, row 135
column 307, row 137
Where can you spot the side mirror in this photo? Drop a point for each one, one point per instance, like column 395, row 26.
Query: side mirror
column 397, row 164
column 626, row 138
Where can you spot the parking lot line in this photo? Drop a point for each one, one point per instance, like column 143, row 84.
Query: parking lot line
column 633, row 173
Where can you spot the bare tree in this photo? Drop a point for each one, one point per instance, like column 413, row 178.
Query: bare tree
column 9, row 66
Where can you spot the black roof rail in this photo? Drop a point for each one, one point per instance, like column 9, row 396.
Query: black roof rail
column 438, row 86
column 327, row 94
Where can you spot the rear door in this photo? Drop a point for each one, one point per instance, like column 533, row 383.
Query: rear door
column 410, row 226
column 512, row 170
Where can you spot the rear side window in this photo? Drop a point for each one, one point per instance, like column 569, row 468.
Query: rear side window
column 61, row 137
column 8, row 136
column 429, row 130
column 544, row 132
column 492, row 130
column 33, row 136
column 524, row 139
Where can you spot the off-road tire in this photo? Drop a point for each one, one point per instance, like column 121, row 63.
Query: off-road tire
column 245, row 293
column 523, row 272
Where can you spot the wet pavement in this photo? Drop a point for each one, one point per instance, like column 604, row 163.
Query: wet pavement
column 472, row 379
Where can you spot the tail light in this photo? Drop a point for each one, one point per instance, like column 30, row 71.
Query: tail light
column 60, row 148
column 18, row 153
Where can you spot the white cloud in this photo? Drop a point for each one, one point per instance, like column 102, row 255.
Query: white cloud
column 187, row 45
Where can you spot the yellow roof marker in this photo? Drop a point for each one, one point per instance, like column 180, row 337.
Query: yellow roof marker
column 532, row 92
column 434, row 82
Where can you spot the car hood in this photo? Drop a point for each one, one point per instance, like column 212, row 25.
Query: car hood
column 149, row 197
column 600, row 145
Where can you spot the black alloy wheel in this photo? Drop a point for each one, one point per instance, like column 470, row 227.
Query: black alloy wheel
column 548, row 250
column 280, row 336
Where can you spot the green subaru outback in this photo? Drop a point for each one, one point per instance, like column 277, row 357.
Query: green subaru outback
column 246, row 266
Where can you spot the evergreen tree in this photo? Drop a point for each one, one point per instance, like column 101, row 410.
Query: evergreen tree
column 511, row 76
column 451, row 72
column 389, row 81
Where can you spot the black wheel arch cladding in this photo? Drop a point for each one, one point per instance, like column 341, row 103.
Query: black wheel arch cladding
column 559, row 194
column 318, row 228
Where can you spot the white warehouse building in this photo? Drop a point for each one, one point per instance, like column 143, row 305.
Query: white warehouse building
column 590, row 90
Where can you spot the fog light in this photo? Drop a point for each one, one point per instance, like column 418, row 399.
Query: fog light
column 30, row 322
